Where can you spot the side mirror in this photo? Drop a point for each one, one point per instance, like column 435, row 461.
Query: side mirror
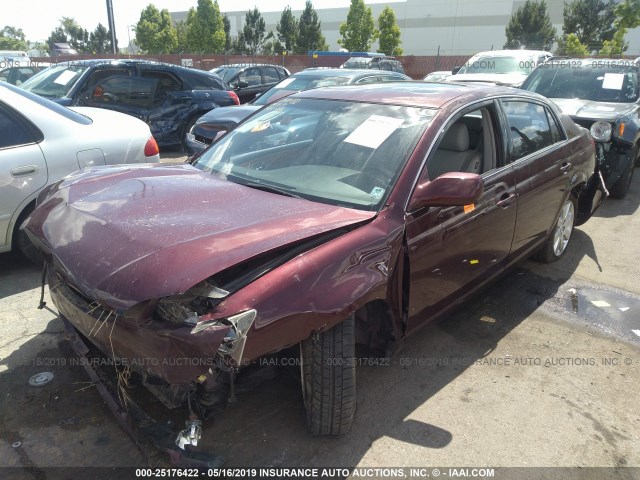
column 455, row 70
column 448, row 190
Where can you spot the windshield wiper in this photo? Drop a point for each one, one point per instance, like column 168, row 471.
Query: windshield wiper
column 265, row 187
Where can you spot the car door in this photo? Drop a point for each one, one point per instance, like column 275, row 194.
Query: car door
column 541, row 159
column 270, row 77
column 23, row 170
column 248, row 83
column 126, row 94
column 452, row 251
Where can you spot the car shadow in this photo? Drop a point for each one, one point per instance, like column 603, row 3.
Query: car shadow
column 17, row 274
column 267, row 427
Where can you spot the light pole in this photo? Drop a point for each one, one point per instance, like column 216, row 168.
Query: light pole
column 112, row 27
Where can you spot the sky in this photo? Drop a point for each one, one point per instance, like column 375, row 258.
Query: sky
column 37, row 18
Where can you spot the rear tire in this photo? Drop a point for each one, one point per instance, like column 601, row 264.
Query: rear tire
column 329, row 379
column 21, row 240
column 556, row 245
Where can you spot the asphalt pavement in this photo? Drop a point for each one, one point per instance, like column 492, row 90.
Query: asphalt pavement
column 541, row 369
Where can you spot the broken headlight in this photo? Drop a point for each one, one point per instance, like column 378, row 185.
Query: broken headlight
column 236, row 337
column 601, row 131
column 187, row 307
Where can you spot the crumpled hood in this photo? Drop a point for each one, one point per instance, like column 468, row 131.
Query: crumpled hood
column 127, row 234
column 590, row 110
column 510, row 79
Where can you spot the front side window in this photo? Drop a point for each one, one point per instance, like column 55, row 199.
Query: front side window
column 336, row 152
column 128, row 91
column 529, row 128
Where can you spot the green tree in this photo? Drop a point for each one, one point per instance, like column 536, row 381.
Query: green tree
column 77, row 37
column 591, row 20
column 155, row 32
column 309, row 36
column 205, row 28
column 628, row 14
column 238, row 45
column 181, row 36
column 570, row 44
column 530, row 27
column 616, row 46
column 12, row 38
column 56, row 36
column 253, row 30
column 100, row 40
column 389, row 32
column 227, row 32
column 360, row 31
column 287, row 29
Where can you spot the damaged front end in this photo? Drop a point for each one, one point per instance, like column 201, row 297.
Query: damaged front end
column 615, row 153
column 183, row 355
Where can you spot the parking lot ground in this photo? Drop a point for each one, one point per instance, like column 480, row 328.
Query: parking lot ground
column 541, row 369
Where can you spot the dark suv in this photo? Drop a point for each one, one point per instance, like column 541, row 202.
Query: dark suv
column 601, row 95
column 169, row 98
column 378, row 63
column 250, row 79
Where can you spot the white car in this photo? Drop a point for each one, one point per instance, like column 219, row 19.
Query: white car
column 41, row 142
column 504, row 67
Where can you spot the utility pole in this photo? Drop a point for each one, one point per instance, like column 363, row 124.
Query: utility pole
column 112, row 27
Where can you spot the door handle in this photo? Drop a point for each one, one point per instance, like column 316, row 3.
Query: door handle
column 565, row 166
column 21, row 171
column 505, row 199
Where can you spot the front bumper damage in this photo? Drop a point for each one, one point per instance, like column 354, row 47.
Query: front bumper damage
column 178, row 363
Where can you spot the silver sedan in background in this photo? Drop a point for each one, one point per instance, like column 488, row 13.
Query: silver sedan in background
column 41, row 142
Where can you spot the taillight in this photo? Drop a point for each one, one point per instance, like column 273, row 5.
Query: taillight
column 234, row 97
column 151, row 148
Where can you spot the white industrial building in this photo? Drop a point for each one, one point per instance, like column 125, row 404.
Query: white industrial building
column 456, row 27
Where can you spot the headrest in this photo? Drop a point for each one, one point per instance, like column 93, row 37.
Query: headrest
column 456, row 138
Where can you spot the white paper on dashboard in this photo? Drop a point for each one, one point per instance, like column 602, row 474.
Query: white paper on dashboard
column 374, row 130
column 64, row 77
column 613, row 81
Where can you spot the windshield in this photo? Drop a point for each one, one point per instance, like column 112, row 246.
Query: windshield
column 54, row 82
column 613, row 84
column 499, row 65
column 295, row 84
column 337, row 152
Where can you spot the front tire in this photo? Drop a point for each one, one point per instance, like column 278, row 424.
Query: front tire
column 556, row 245
column 621, row 187
column 329, row 379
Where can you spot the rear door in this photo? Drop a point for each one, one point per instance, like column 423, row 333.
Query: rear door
column 452, row 251
column 23, row 170
column 542, row 160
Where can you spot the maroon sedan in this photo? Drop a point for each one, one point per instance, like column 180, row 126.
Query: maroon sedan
column 334, row 217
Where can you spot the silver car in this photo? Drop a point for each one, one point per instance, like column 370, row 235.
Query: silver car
column 41, row 142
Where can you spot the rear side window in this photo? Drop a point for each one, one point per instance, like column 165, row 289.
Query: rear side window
column 529, row 128
column 12, row 132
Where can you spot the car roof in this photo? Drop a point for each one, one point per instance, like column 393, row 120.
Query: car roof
column 417, row 94
column 245, row 65
column 511, row 53
column 342, row 72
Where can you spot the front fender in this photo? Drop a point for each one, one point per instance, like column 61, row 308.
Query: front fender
column 320, row 288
